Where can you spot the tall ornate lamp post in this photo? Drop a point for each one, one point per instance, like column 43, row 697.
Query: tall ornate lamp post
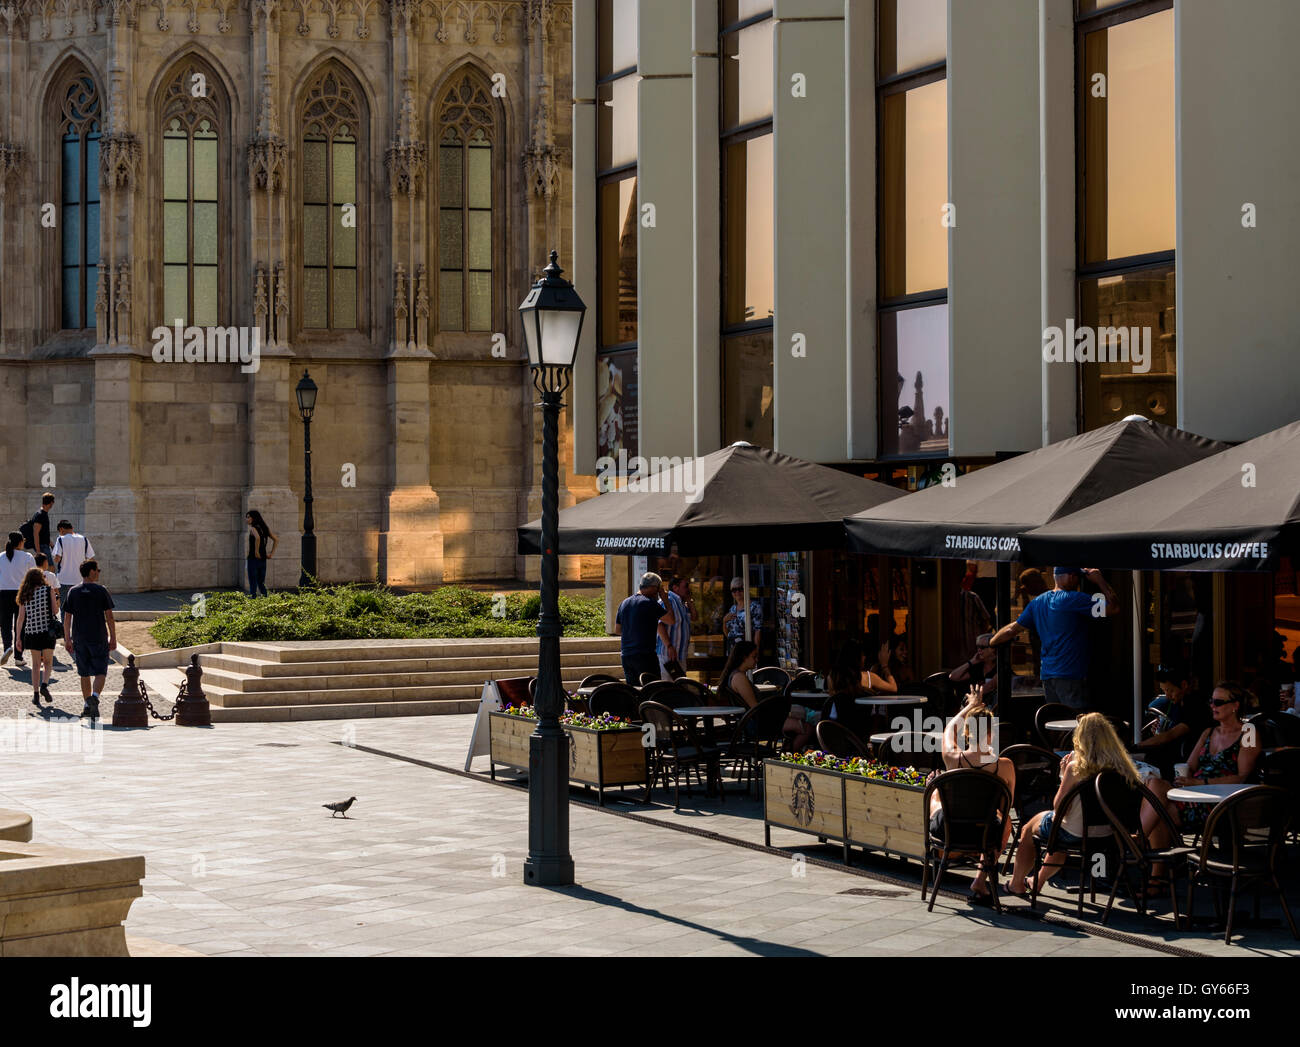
column 552, row 316
column 306, row 393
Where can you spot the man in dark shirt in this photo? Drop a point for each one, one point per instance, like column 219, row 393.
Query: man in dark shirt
column 640, row 618
column 1183, row 716
column 37, row 530
column 90, row 633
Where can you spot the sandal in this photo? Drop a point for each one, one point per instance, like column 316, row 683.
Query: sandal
column 1154, row 890
column 1006, row 889
column 984, row 900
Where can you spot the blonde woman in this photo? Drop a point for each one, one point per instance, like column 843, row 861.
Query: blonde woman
column 1097, row 748
column 968, row 745
column 38, row 612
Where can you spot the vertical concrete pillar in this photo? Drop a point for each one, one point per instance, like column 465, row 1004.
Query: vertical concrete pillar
column 811, row 419
column 861, row 361
column 994, row 306
column 706, row 390
column 410, row 543
column 666, row 183
column 1056, row 180
column 582, row 266
column 1238, row 215
column 272, row 408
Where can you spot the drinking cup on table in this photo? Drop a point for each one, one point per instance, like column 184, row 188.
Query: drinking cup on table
column 1182, row 770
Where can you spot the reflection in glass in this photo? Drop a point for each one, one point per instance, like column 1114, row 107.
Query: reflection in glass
column 914, row 381
column 618, row 262
column 1113, row 306
column 617, row 47
column 747, row 64
column 748, row 232
column 913, row 35
column 747, row 388
column 618, row 123
column 914, row 162
column 1129, row 135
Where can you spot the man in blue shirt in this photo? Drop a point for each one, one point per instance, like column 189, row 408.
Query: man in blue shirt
column 638, row 625
column 1060, row 618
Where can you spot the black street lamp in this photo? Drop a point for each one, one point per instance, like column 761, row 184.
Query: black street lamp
column 552, row 316
column 306, row 393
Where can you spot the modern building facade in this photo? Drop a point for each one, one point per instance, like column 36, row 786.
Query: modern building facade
column 362, row 190
column 897, row 234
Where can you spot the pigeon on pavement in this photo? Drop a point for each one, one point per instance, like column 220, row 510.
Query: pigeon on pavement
column 340, row 808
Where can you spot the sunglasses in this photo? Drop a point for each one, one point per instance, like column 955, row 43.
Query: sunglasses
column 1217, row 702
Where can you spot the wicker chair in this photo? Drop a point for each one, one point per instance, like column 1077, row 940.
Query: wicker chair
column 974, row 805
column 772, row 674
column 1053, row 711
column 834, row 738
column 617, row 699
column 676, row 751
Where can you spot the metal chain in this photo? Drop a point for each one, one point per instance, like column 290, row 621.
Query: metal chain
column 144, row 693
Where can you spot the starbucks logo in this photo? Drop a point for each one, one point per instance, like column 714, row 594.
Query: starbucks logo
column 801, row 803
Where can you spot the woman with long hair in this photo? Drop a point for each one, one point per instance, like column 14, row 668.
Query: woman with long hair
column 14, row 565
column 734, row 685
column 261, row 546
column 38, row 613
column 1097, row 748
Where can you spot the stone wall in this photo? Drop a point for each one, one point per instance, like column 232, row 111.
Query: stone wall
column 157, row 462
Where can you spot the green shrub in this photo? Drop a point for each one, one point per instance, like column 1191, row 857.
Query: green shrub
column 355, row 613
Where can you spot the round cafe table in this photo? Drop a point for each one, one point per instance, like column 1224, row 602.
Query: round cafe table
column 709, row 713
column 1210, row 794
column 894, row 699
column 1061, row 725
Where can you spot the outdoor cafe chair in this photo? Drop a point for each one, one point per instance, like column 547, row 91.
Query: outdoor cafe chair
column 617, row 699
column 1038, row 776
column 948, row 702
column 910, row 749
column 803, row 680
column 975, row 806
column 596, row 679
column 648, row 678
column 834, row 738
column 698, row 692
column 1281, row 768
column 1121, row 803
column 757, row 736
column 773, row 675
column 1240, row 844
column 1097, row 839
column 676, row 751
column 1053, row 711
column 667, row 692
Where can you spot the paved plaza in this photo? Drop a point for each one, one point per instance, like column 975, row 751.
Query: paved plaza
column 242, row 860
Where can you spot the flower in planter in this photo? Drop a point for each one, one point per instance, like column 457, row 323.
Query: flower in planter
column 861, row 768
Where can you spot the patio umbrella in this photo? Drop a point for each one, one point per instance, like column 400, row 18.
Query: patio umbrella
column 1235, row 511
column 741, row 499
column 983, row 515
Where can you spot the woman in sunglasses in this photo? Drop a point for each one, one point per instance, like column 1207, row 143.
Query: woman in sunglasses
column 1225, row 754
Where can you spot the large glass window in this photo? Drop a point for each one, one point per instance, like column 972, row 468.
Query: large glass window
column 1127, row 199
column 915, row 405
column 331, row 121
column 191, row 199
column 748, row 222
column 467, row 122
column 617, row 227
column 79, row 211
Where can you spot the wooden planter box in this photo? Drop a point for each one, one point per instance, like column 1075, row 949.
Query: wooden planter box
column 846, row 809
column 598, row 759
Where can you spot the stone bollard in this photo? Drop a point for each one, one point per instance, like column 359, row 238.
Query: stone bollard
column 130, row 710
column 192, row 710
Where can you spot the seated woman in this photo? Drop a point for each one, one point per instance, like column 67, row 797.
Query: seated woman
column 1097, row 748
column 1225, row 754
column 968, row 745
column 847, row 682
column 892, row 663
column 734, row 686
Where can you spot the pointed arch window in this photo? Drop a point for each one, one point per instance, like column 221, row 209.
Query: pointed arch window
column 331, row 122
column 193, row 129
column 467, row 132
column 79, row 129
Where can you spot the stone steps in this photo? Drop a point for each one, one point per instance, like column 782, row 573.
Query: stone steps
column 262, row 682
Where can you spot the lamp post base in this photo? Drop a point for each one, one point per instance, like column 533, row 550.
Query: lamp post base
column 549, row 863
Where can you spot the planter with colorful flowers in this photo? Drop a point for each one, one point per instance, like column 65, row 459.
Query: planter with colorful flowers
column 605, row 752
column 856, row 803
